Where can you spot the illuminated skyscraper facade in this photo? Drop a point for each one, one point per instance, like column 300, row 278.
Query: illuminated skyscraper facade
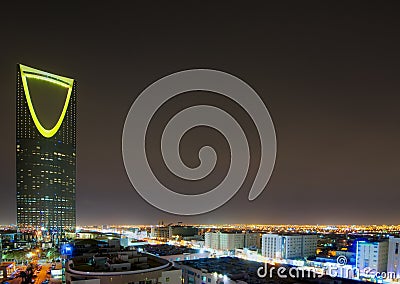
column 46, row 151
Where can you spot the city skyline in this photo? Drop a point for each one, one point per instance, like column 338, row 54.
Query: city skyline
column 328, row 75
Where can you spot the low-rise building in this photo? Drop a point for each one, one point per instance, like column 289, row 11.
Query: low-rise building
column 231, row 240
column 287, row 246
column 160, row 232
column 372, row 255
column 182, row 231
column 121, row 268
column 394, row 256
column 175, row 253
column 252, row 240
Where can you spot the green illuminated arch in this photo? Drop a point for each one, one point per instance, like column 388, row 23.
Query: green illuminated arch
column 28, row 72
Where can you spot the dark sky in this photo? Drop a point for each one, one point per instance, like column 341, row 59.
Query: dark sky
column 327, row 71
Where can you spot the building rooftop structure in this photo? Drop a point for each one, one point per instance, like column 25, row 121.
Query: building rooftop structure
column 116, row 261
column 226, row 269
column 121, row 267
column 235, row 270
column 166, row 250
column 290, row 234
column 232, row 267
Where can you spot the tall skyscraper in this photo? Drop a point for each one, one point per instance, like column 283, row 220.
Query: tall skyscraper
column 46, row 151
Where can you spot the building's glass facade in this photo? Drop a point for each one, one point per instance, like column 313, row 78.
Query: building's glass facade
column 46, row 151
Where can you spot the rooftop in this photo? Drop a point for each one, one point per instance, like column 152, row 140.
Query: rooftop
column 166, row 250
column 117, row 261
column 244, row 270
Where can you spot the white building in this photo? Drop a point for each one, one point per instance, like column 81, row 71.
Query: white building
column 224, row 241
column 372, row 255
column 271, row 246
column 231, row 241
column 288, row 246
column 210, row 240
column 394, row 256
column 207, row 240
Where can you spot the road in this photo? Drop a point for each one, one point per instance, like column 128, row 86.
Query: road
column 42, row 275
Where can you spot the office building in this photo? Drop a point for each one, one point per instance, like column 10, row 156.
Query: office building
column 288, row 246
column 281, row 246
column 309, row 245
column 46, row 151
column 173, row 231
column 160, row 232
column 252, row 240
column 208, row 243
column 231, row 241
column 211, row 240
column 393, row 265
column 224, row 240
column 372, row 255
column 182, row 231
column 271, row 246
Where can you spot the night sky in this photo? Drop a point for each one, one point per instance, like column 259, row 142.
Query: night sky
column 328, row 72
